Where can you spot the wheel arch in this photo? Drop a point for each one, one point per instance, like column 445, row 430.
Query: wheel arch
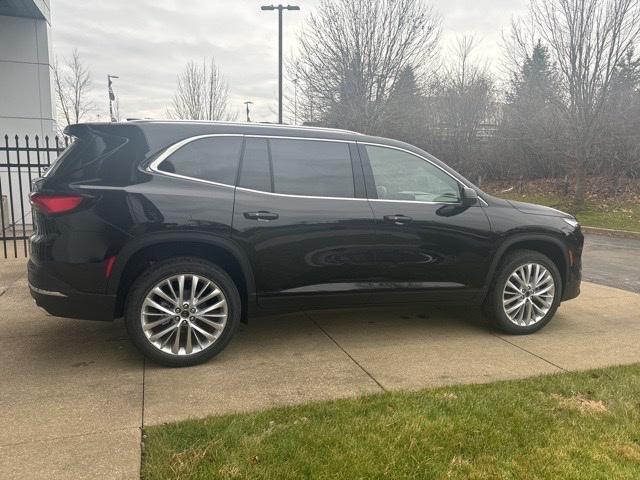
column 545, row 244
column 132, row 260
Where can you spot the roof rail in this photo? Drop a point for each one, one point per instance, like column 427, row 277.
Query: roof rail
column 247, row 124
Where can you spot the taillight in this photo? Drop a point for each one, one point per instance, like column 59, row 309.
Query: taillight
column 51, row 204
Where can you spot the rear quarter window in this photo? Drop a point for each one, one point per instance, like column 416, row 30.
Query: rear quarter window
column 214, row 159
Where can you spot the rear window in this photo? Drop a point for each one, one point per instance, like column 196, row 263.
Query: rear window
column 74, row 146
column 214, row 159
column 94, row 154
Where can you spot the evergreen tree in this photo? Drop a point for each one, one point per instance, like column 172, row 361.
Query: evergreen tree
column 532, row 125
column 404, row 113
column 536, row 80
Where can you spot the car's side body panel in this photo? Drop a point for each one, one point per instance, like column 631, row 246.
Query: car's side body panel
column 319, row 252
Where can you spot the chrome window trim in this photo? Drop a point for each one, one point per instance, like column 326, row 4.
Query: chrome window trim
column 292, row 195
column 153, row 167
column 414, row 201
column 457, row 180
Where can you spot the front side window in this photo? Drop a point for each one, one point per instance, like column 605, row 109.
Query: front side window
column 400, row 175
column 312, row 168
column 214, row 159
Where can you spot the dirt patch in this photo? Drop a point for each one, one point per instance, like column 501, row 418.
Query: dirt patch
column 580, row 403
column 448, row 396
column 630, row 451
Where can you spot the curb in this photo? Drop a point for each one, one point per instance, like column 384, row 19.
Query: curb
column 611, row 233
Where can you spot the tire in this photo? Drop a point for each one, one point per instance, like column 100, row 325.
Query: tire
column 191, row 338
column 542, row 307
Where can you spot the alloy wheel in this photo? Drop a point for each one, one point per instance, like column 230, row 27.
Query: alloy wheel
column 184, row 314
column 528, row 294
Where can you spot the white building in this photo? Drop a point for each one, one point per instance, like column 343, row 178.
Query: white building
column 27, row 104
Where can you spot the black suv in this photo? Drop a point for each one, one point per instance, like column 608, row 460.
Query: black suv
column 188, row 228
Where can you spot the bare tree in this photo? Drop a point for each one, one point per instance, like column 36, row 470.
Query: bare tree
column 202, row 94
column 462, row 99
column 352, row 54
column 619, row 148
column 72, row 82
column 587, row 40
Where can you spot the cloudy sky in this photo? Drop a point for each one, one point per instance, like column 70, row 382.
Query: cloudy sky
column 147, row 42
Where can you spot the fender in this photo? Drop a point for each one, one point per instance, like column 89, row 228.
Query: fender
column 524, row 237
column 136, row 245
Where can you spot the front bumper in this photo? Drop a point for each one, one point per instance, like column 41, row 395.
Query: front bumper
column 60, row 300
column 574, row 268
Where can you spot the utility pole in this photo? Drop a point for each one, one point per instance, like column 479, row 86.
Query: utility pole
column 295, row 101
column 247, row 103
column 280, row 8
column 112, row 96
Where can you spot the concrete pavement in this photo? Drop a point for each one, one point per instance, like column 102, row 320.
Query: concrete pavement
column 74, row 394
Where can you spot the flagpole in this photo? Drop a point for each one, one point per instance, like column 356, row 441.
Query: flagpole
column 112, row 96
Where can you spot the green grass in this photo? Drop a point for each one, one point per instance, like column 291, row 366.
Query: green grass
column 566, row 426
column 604, row 215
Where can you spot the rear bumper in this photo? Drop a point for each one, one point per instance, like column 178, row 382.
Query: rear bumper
column 60, row 300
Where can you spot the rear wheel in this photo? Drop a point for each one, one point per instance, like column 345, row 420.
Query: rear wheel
column 182, row 312
column 526, row 292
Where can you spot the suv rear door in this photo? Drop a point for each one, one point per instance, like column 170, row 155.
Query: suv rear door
column 430, row 247
column 301, row 215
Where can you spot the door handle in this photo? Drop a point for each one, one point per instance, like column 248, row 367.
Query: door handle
column 261, row 216
column 398, row 219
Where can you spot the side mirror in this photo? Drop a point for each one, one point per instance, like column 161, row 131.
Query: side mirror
column 469, row 197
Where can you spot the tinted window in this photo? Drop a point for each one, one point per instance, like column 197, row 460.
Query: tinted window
column 310, row 167
column 213, row 158
column 255, row 172
column 401, row 176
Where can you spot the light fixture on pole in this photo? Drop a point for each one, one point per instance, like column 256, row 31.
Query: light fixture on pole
column 247, row 103
column 112, row 96
column 280, row 8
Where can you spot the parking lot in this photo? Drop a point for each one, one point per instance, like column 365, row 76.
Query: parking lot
column 75, row 394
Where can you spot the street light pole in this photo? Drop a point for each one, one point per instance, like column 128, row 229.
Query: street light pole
column 247, row 103
column 112, row 96
column 295, row 101
column 280, row 8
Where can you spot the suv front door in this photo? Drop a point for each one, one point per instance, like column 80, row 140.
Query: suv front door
column 301, row 215
column 430, row 247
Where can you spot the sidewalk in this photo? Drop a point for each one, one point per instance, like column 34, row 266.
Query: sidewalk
column 75, row 394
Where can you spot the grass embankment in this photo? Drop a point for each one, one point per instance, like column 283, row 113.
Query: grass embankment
column 568, row 426
column 614, row 215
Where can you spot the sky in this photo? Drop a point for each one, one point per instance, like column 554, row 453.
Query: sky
column 148, row 42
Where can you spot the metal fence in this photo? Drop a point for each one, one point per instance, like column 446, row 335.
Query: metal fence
column 21, row 160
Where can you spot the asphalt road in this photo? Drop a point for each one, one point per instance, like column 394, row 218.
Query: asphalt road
column 612, row 261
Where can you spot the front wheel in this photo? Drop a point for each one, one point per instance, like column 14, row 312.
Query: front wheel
column 526, row 292
column 182, row 312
